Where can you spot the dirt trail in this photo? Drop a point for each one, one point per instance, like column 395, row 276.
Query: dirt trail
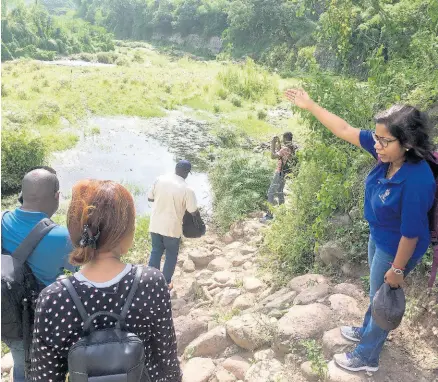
column 232, row 325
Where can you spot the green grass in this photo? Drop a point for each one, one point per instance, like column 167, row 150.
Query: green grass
column 140, row 250
column 5, row 349
column 38, row 96
column 251, row 126
column 134, row 188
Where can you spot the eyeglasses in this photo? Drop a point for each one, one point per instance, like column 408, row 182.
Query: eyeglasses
column 384, row 142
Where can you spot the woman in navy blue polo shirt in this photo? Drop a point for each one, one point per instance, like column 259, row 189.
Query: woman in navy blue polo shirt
column 399, row 192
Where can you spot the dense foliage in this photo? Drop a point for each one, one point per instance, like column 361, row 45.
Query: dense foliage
column 33, row 32
column 236, row 193
column 20, row 152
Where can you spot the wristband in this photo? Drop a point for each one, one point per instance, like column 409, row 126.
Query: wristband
column 402, row 269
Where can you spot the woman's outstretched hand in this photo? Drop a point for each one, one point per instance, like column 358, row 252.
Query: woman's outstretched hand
column 299, row 98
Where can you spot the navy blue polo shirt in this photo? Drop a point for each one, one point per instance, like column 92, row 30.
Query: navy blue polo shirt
column 398, row 206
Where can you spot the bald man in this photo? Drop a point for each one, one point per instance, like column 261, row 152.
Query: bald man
column 40, row 199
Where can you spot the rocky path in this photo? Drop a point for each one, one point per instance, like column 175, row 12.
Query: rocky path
column 233, row 325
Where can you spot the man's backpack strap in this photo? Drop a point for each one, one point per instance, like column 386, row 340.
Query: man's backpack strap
column 132, row 292
column 75, row 297
column 28, row 245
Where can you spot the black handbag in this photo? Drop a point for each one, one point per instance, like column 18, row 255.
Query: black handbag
column 193, row 226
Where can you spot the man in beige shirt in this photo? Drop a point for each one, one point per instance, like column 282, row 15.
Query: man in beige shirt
column 172, row 197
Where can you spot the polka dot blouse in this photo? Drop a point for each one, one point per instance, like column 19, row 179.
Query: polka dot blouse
column 58, row 324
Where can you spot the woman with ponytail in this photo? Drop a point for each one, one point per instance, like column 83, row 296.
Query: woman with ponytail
column 101, row 223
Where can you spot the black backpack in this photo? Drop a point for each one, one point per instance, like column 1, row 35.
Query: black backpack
column 193, row 226
column 288, row 166
column 20, row 288
column 112, row 354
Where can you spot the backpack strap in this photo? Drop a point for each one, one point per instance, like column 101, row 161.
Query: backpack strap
column 132, row 291
column 27, row 246
column 81, row 308
column 75, row 297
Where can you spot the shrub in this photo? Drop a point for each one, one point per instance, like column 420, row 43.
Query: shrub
column 222, row 93
column 122, row 61
column 248, row 81
column 239, row 181
column 20, row 152
column 48, row 113
column 138, row 57
column 88, row 57
column 106, row 57
column 261, row 114
column 216, row 108
column 5, row 91
column 306, row 60
column 236, row 101
column 328, row 180
column 228, row 137
column 22, row 95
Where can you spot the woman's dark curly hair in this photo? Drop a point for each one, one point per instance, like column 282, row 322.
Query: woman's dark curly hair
column 411, row 127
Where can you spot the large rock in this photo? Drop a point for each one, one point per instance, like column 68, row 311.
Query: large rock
column 252, row 284
column 312, row 294
column 331, row 253
column 233, row 246
column 198, row 370
column 250, row 331
column 274, row 295
column 283, row 301
column 209, row 240
column 306, row 281
column 345, row 306
column 237, row 366
column 223, row 277
column 219, row 264
column 303, row 322
column 247, row 250
column 238, row 260
column 263, row 355
column 209, row 344
column 351, row 290
column 189, row 266
column 244, row 301
column 201, row 258
column 308, row 372
column 228, row 296
column 341, row 221
column 223, row 375
column 7, row 363
column 186, row 330
column 180, row 306
column 333, row 342
column 336, row 374
column 265, row 371
column 228, row 238
column 354, row 270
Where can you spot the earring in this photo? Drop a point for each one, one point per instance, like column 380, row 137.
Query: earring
column 407, row 149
